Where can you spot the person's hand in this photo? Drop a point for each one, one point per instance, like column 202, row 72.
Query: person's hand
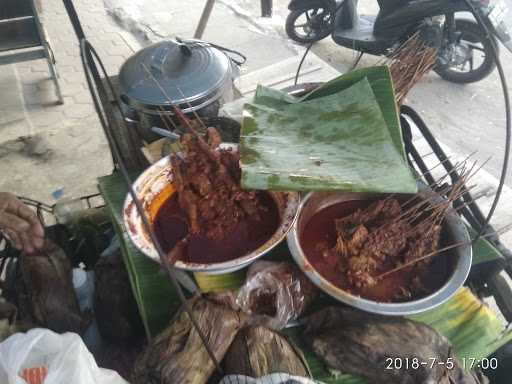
column 20, row 224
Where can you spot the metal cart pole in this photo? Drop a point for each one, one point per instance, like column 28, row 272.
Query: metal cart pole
column 205, row 16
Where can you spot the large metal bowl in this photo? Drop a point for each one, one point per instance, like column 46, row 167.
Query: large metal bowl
column 453, row 226
column 154, row 187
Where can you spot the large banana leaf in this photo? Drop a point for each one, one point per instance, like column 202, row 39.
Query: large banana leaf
column 334, row 139
column 379, row 78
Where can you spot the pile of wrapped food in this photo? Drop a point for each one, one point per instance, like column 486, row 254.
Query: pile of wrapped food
column 246, row 330
column 272, row 327
column 246, row 334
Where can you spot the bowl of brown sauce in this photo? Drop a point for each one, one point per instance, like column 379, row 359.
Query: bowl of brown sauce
column 243, row 243
column 381, row 253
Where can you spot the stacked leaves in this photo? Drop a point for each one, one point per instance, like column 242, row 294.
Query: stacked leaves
column 365, row 344
column 259, row 351
column 178, row 355
column 343, row 136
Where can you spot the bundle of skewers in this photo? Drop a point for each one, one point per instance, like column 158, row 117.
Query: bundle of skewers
column 409, row 63
column 395, row 240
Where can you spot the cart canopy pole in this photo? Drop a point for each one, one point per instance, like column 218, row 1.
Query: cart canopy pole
column 205, row 16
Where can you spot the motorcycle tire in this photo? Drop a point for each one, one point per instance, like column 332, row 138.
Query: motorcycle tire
column 310, row 38
column 473, row 32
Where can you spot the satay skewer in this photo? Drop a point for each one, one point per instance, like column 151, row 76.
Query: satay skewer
column 431, row 254
column 422, row 203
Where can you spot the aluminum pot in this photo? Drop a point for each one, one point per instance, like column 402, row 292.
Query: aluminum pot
column 453, row 225
column 192, row 74
column 154, row 187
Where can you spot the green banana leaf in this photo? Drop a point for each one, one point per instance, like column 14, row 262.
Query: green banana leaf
column 155, row 296
column 483, row 249
column 382, row 86
column 336, row 141
column 379, row 78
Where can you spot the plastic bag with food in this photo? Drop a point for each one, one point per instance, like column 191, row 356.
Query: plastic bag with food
column 42, row 356
column 275, row 294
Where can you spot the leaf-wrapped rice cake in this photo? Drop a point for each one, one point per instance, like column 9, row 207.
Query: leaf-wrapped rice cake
column 360, row 343
column 178, row 356
column 47, row 277
column 259, row 351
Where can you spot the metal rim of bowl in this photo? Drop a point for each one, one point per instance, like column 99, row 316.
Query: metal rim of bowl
column 455, row 281
column 133, row 224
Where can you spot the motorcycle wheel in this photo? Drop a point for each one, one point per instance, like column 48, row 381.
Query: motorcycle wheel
column 308, row 25
column 473, row 38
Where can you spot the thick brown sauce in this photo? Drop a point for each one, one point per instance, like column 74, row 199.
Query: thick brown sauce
column 321, row 228
column 171, row 226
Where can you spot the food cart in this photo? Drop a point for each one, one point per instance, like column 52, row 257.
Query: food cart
column 194, row 335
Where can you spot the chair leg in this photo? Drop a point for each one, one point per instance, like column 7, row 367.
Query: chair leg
column 50, row 58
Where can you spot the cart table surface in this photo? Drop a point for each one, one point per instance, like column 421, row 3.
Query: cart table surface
column 473, row 328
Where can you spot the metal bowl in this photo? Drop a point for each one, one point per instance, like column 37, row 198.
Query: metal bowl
column 154, row 187
column 453, row 227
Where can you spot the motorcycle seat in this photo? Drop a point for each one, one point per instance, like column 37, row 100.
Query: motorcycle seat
column 361, row 36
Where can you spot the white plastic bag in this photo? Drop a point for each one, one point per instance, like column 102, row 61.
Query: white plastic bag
column 275, row 378
column 45, row 357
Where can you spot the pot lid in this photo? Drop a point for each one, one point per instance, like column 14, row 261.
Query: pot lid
column 191, row 73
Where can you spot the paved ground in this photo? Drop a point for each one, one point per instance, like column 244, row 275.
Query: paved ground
column 66, row 147
column 152, row 20
column 45, row 146
column 466, row 117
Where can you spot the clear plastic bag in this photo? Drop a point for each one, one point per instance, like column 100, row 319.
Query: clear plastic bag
column 275, row 294
column 42, row 356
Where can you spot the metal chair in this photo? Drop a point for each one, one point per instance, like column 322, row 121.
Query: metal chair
column 23, row 38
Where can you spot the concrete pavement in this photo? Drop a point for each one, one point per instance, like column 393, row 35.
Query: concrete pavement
column 67, row 147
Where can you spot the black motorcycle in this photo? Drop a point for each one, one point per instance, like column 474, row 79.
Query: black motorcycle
column 465, row 52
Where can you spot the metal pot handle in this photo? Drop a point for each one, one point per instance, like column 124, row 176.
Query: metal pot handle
column 162, row 52
column 242, row 57
column 191, row 43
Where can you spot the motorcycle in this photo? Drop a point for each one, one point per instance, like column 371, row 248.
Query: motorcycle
column 465, row 53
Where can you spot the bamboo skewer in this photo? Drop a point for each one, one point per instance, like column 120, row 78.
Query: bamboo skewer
column 456, row 192
column 420, row 203
column 431, row 254
column 409, row 63
column 436, row 182
column 435, row 211
column 463, row 178
column 169, row 264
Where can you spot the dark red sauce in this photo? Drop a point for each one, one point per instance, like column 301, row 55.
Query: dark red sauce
column 171, row 226
column 321, row 228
